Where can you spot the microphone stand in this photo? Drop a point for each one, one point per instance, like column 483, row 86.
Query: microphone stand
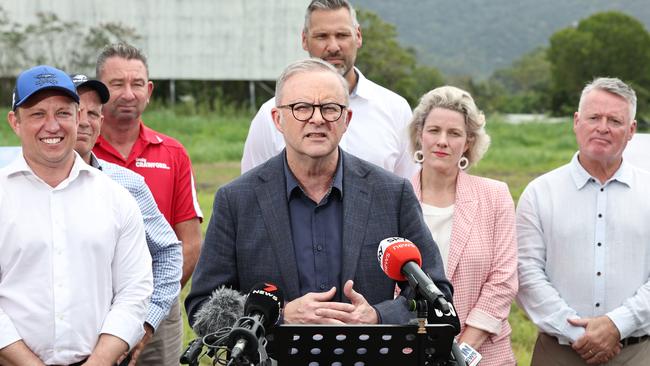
column 420, row 306
column 264, row 359
column 252, row 331
column 191, row 355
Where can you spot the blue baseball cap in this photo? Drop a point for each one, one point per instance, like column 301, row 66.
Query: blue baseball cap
column 40, row 78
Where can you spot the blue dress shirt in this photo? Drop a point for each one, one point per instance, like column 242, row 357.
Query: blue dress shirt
column 317, row 233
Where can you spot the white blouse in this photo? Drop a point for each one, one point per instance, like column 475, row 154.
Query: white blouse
column 439, row 221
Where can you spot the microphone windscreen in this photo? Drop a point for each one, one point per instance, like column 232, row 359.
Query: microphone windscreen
column 221, row 310
column 394, row 253
column 265, row 299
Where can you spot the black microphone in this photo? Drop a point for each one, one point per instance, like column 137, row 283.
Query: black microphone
column 262, row 309
column 220, row 311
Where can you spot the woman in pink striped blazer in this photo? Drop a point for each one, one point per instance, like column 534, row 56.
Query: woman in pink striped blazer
column 472, row 219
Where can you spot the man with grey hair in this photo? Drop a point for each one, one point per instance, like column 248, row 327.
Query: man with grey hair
column 310, row 219
column 583, row 242
column 379, row 133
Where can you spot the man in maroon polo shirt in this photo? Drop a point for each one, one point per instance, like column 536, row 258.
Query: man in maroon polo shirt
column 164, row 164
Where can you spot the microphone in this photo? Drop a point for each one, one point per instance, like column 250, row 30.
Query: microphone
column 222, row 309
column 262, row 309
column 400, row 259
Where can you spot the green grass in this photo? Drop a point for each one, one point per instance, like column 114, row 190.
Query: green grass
column 208, row 138
column 518, row 154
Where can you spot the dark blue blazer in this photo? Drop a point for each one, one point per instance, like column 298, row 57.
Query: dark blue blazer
column 248, row 239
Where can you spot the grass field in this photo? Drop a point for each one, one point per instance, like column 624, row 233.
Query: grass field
column 518, row 154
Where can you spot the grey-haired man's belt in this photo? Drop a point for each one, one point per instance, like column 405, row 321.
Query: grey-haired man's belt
column 626, row 341
column 634, row 340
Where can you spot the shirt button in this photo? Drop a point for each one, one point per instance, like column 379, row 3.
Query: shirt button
column 597, row 304
column 322, row 286
column 319, row 247
column 600, row 215
column 597, row 273
column 602, row 189
column 600, row 244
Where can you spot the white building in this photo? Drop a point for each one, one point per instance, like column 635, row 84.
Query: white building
column 192, row 39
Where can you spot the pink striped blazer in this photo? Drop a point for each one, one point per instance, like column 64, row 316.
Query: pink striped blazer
column 482, row 262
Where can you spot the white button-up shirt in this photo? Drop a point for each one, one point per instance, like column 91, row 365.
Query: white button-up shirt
column 74, row 262
column 378, row 131
column 584, row 250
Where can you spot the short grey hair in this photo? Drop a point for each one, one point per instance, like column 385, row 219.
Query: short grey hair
column 329, row 5
column 455, row 99
column 614, row 86
column 122, row 50
column 308, row 65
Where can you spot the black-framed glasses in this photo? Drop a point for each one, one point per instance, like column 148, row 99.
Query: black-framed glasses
column 303, row 111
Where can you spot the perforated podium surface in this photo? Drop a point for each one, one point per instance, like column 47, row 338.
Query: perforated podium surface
column 362, row 345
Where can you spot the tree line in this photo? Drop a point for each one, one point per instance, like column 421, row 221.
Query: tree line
column 67, row 45
column 546, row 80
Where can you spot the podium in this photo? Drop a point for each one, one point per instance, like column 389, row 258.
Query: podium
column 361, row 345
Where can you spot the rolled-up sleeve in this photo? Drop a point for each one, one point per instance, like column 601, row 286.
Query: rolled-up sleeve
column 500, row 288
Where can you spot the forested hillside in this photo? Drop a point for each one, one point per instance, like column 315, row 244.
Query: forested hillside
column 476, row 37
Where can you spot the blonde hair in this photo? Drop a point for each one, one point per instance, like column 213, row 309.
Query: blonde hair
column 455, row 99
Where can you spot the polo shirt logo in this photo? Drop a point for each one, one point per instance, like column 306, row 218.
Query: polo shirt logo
column 143, row 163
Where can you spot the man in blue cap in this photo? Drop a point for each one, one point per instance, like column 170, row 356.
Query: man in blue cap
column 75, row 270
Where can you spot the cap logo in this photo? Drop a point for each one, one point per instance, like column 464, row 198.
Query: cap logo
column 78, row 79
column 47, row 78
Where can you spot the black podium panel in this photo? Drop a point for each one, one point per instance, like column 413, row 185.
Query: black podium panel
column 361, row 345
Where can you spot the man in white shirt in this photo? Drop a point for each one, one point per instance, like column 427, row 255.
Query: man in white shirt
column 379, row 132
column 583, row 235
column 75, row 271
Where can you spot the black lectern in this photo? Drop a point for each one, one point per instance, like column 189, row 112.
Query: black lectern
column 362, row 345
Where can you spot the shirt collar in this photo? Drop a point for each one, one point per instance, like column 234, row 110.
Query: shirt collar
column 146, row 134
column 581, row 176
column 292, row 182
column 19, row 165
column 94, row 162
column 362, row 89
column 149, row 135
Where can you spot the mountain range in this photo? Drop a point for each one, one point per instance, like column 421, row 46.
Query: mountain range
column 477, row 37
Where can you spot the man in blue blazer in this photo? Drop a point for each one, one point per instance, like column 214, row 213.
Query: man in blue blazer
column 310, row 219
